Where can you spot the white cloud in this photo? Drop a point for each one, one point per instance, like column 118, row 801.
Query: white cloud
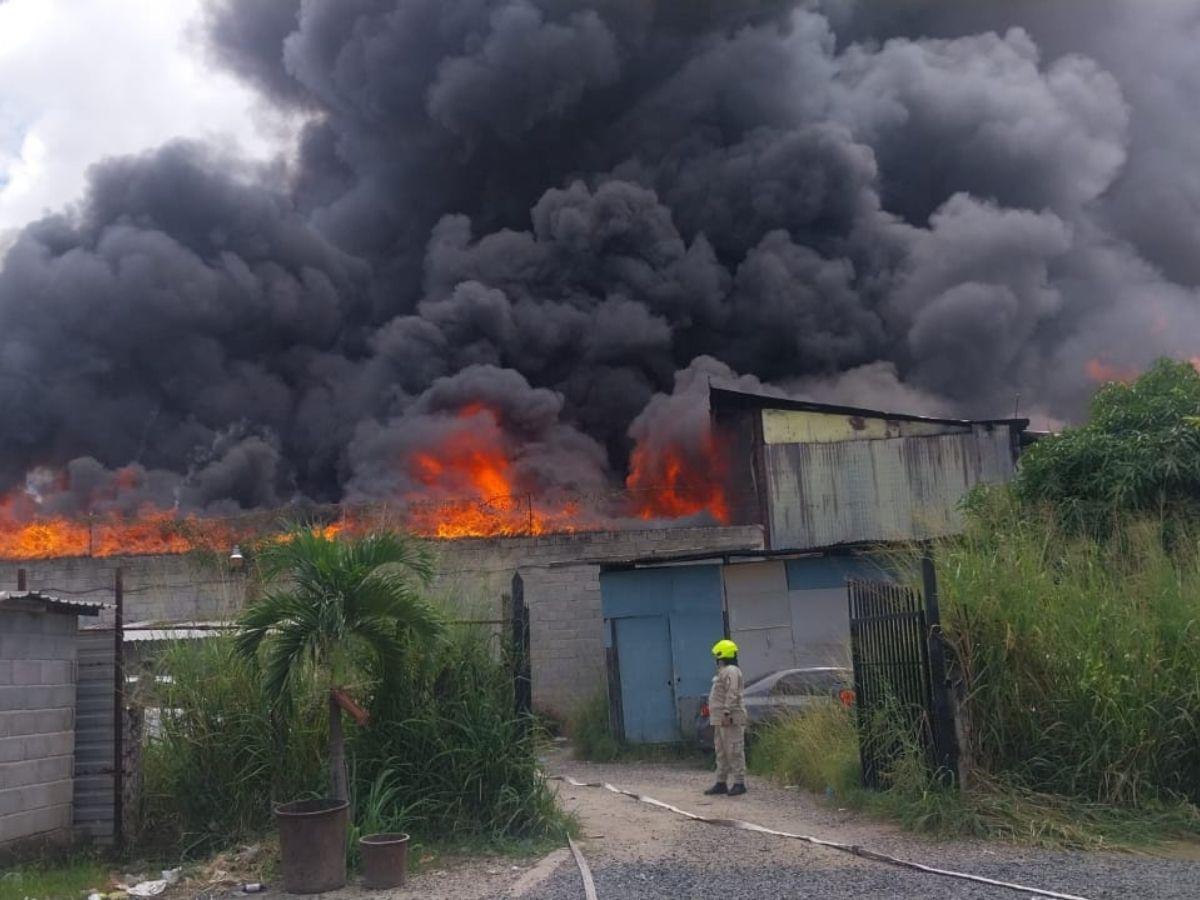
column 81, row 80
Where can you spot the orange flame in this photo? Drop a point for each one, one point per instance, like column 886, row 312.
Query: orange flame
column 472, row 465
column 24, row 536
column 1100, row 371
column 672, row 483
column 469, row 486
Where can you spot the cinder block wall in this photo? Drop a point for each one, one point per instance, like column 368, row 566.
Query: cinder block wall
column 180, row 588
column 37, row 725
column 562, row 585
column 562, row 589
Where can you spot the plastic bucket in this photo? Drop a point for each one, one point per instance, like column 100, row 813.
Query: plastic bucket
column 312, row 843
column 384, row 859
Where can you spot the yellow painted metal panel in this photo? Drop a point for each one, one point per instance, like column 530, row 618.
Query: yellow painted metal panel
column 787, row 426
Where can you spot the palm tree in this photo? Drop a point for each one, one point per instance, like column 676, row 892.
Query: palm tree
column 329, row 607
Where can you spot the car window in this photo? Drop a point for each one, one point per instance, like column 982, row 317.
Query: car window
column 807, row 683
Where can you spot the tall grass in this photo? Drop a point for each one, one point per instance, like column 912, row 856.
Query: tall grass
column 221, row 758
column 446, row 730
column 817, row 750
column 590, row 730
column 444, row 756
column 1081, row 658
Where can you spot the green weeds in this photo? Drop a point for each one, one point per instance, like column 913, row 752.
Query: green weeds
column 444, row 757
column 1080, row 659
column 53, row 879
column 592, row 739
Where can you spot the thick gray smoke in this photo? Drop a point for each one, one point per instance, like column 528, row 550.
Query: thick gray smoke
column 552, row 207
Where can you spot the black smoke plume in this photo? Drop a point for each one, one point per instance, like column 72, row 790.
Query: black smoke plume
column 553, row 207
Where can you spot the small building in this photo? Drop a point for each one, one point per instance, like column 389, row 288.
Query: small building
column 818, row 475
column 38, row 645
column 831, row 487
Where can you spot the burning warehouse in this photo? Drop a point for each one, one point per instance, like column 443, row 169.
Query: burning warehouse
column 795, row 489
column 482, row 289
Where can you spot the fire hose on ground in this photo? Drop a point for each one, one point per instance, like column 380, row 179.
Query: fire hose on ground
column 853, row 849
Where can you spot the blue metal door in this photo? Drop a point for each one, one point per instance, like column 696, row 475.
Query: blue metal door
column 647, row 693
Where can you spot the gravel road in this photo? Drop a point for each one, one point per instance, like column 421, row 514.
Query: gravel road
column 639, row 852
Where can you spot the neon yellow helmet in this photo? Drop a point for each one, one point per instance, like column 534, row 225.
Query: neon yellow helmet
column 724, row 649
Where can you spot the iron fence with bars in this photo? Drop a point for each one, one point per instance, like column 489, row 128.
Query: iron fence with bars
column 901, row 690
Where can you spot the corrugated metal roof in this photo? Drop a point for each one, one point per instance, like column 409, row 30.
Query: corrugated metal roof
column 52, row 604
column 726, row 397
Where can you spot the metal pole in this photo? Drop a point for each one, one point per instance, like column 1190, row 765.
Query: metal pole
column 118, row 710
column 944, row 736
column 522, row 681
column 529, row 506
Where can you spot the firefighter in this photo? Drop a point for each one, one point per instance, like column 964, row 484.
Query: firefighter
column 728, row 716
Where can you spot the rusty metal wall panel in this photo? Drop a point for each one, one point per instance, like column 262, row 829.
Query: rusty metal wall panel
column 903, row 488
column 95, row 760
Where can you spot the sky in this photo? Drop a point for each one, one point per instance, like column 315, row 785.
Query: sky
column 84, row 81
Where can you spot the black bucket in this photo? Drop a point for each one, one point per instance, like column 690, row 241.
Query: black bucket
column 384, row 859
column 312, row 843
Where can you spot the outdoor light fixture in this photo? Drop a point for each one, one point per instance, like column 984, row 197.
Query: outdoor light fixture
column 235, row 557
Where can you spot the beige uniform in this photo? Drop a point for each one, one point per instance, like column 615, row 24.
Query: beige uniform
column 728, row 716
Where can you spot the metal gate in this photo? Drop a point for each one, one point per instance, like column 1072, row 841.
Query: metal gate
column 900, row 684
column 95, row 735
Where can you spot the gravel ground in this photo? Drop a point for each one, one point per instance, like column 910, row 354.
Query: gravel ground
column 639, row 852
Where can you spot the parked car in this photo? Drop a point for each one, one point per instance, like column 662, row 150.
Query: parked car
column 786, row 692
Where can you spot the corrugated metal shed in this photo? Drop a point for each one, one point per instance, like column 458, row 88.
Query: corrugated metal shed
column 878, row 490
column 819, row 475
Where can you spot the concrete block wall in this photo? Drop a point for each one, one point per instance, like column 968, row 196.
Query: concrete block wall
column 37, row 725
column 181, row 588
column 562, row 589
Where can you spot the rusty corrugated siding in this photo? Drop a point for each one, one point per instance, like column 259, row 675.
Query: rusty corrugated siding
column 821, row 494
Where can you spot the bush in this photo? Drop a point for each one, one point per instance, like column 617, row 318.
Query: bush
column 1140, row 451
column 445, row 731
column 444, row 757
column 1080, row 656
column 817, row 751
column 220, row 761
column 590, row 730
column 1082, row 674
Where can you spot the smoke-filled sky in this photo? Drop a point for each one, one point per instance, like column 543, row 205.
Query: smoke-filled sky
column 339, row 229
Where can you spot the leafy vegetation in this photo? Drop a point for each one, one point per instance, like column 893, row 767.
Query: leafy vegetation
column 1139, row 451
column 593, row 739
column 338, row 610
column 1081, row 657
column 818, row 752
column 221, row 755
column 1082, row 690
column 591, row 731
column 53, row 879
column 443, row 756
